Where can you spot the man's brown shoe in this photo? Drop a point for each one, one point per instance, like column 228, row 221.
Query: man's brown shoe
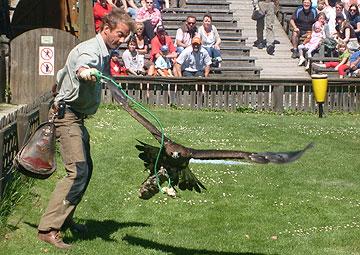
column 53, row 237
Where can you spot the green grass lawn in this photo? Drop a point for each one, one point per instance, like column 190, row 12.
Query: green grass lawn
column 307, row 207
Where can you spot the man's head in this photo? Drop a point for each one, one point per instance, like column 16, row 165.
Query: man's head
column 103, row 3
column 321, row 5
column 149, row 4
column 161, row 33
column 339, row 7
column 306, row 4
column 116, row 28
column 191, row 22
column 196, row 43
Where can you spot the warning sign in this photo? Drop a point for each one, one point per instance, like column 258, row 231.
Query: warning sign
column 46, row 60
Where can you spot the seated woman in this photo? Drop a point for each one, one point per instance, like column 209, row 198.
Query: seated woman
column 346, row 33
column 133, row 61
column 354, row 19
column 210, row 40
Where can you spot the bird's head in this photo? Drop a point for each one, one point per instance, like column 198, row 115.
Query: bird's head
column 175, row 154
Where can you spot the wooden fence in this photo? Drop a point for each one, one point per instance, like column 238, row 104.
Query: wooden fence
column 14, row 128
column 233, row 94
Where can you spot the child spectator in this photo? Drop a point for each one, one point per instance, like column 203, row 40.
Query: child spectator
column 163, row 64
column 117, row 68
column 133, row 61
column 316, row 36
column 341, row 65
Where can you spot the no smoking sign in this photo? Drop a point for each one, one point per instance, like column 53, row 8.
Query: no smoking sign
column 46, row 60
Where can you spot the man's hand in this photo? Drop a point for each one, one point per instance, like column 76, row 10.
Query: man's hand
column 87, row 74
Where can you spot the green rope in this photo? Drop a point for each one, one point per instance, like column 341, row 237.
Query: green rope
column 99, row 76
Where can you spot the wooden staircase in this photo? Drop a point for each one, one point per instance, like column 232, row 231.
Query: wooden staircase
column 280, row 65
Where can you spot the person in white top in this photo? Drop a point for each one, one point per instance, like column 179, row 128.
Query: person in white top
column 210, row 39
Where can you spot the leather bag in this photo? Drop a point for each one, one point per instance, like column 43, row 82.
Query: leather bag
column 37, row 157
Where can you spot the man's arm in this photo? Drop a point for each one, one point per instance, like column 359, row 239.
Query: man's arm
column 207, row 71
column 178, row 69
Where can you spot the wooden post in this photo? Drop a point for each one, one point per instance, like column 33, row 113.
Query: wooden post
column 22, row 127
column 278, row 101
column 2, row 74
column 2, row 168
column 44, row 111
column 86, row 20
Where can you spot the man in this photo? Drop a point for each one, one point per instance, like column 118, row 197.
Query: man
column 194, row 61
column 150, row 16
column 185, row 34
column 79, row 95
column 354, row 64
column 267, row 23
column 159, row 40
column 301, row 22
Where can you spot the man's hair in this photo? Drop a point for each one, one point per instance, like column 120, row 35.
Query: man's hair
column 207, row 15
column 117, row 16
column 133, row 41
column 191, row 17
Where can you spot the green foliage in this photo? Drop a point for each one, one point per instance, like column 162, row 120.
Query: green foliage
column 308, row 207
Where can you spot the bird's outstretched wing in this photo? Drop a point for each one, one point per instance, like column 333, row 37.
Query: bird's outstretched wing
column 257, row 157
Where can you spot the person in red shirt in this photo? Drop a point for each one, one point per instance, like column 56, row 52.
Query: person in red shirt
column 159, row 40
column 101, row 8
column 116, row 67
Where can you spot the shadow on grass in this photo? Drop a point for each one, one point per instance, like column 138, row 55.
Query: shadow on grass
column 99, row 229
column 178, row 250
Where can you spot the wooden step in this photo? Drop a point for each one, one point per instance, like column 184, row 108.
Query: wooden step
column 218, row 24
column 241, row 61
column 199, row 17
column 219, row 3
column 220, row 28
column 202, row 11
column 239, row 72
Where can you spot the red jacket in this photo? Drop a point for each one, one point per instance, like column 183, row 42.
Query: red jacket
column 100, row 12
column 156, row 45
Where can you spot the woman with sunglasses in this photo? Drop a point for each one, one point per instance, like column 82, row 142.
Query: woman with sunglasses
column 354, row 19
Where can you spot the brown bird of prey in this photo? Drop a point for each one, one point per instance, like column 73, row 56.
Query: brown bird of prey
column 173, row 162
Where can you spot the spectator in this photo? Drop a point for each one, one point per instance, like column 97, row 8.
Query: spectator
column 354, row 19
column 330, row 3
column 185, row 34
column 142, row 40
column 193, row 61
column 163, row 64
column 348, row 3
column 330, row 14
column 150, row 16
column 133, row 61
column 324, row 25
column 267, row 22
column 354, row 64
column 117, row 68
column 159, row 40
column 301, row 22
column 341, row 65
column 340, row 10
column 312, row 44
column 346, row 33
column 100, row 9
column 210, row 39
